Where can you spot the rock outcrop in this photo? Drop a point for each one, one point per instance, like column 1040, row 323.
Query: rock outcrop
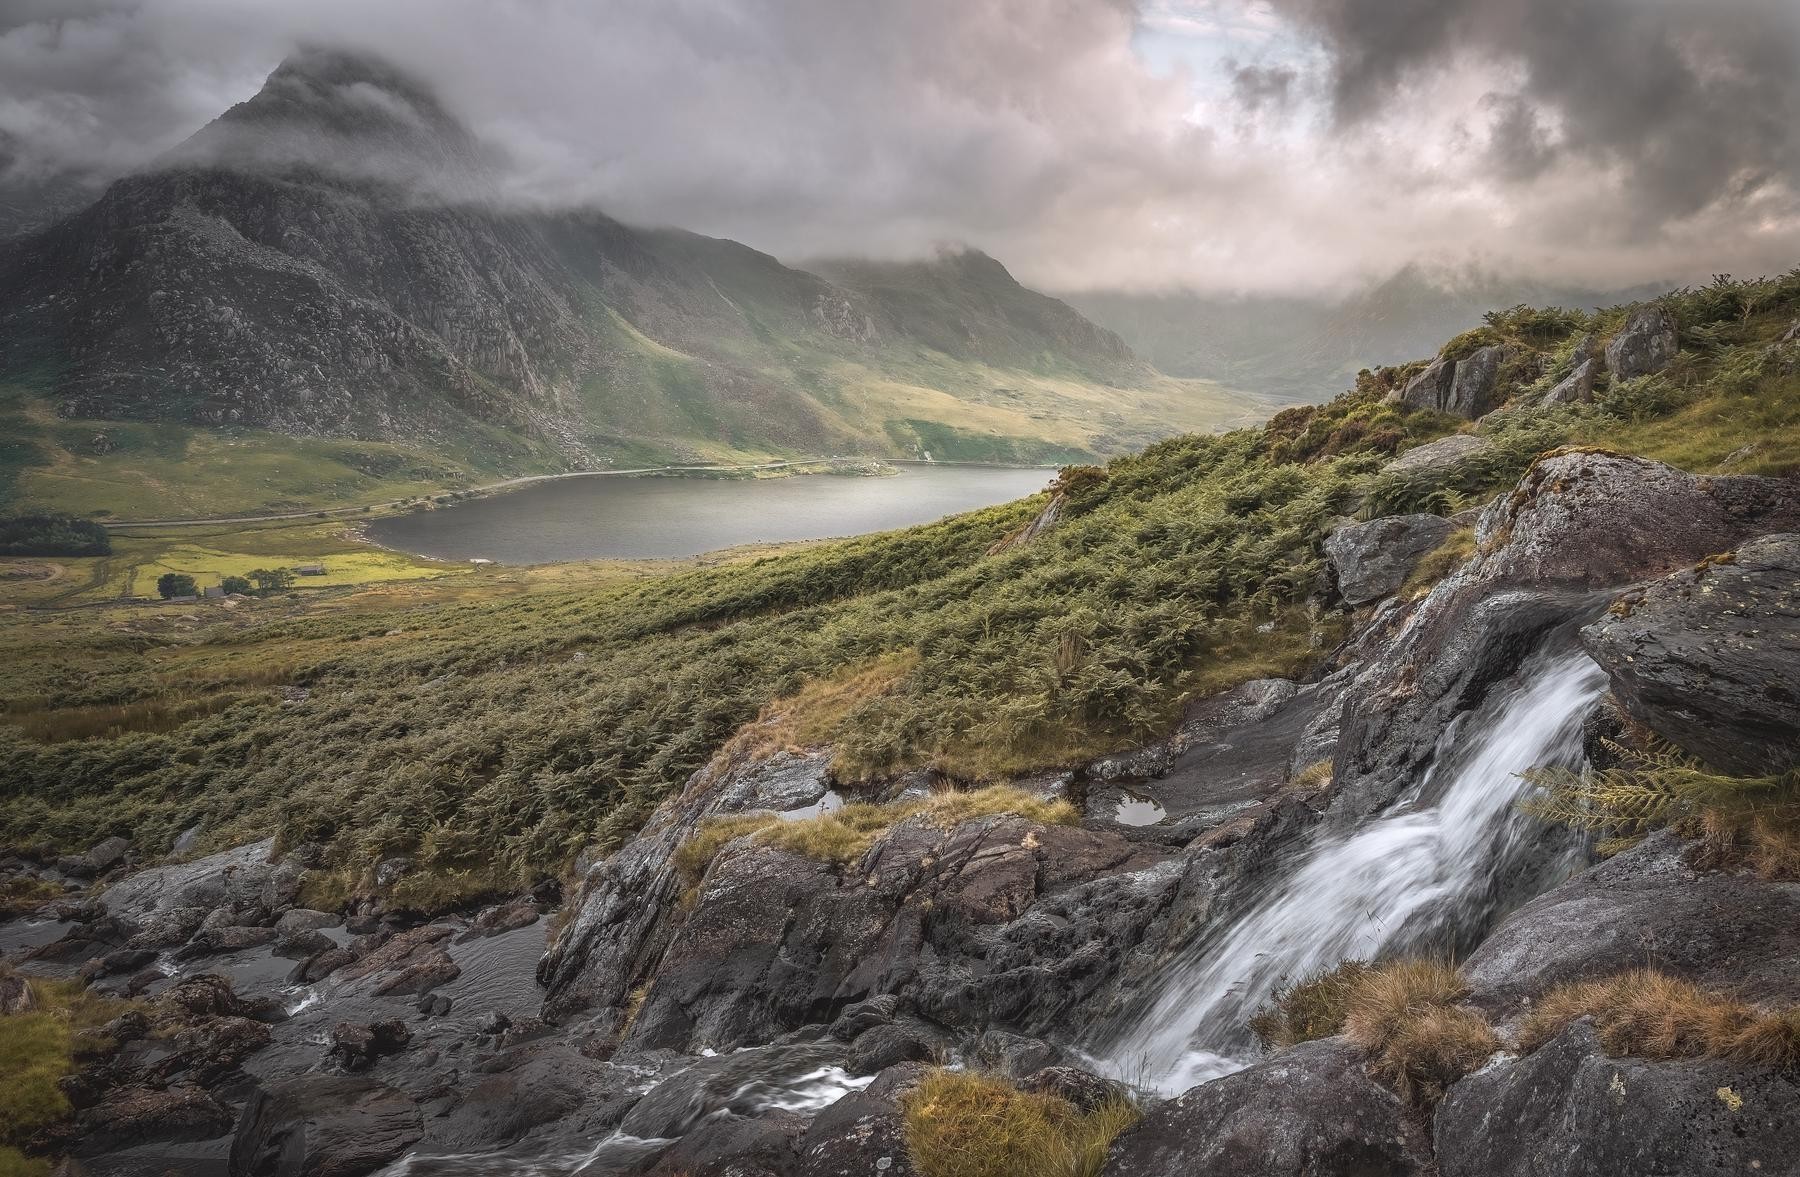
column 1372, row 560
column 1308, row 1112
column 1644, row 345
column 1463, row 388
column 1709, row 657
column 323, row 1126
column 1568, row 1110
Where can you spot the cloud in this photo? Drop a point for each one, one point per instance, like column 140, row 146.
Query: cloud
column 1264, row 144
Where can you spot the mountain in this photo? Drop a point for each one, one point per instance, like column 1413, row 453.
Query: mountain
column 1309, row 349
column 329, row 259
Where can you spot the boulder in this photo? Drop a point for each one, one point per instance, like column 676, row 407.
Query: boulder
column 128, row 1116
column 1644, row 345
column 1645, row 907
column 1311, row 1111
column 16, row 996
column 230, row 879
column 1568, row 1110
column 766, row 1146
column 1709, row 657
column 1430, row 389
column 877, row 1049
column 863, row 1133
column 501, row 918
column 1372, row 560
column 298, row 921
column 1577, row 386
column 1437, row 458
column 1472, row 388
column 356, row 1047
column 100, row 858
column 323, row 1126
column 1084, row 1089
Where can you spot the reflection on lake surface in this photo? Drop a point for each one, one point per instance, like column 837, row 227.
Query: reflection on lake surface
column 646, row 518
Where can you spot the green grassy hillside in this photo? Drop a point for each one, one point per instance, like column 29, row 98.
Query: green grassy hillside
column 493, row 732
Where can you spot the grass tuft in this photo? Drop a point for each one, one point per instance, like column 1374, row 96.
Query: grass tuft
column 961, row 1124
column 1404, row 1014
column 1309, row 1009
column 1649, row 1014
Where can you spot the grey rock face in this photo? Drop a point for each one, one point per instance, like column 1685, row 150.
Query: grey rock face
column 862, row 1135
column 1371, row 560
column 1569, row 1111
column 1710, row 657
column 1472, row 390
column 1311, row 1111
column 1579, row 524
column 1577, row 386
column 1645, row 907
column 232, row 878
column 1440, row 456
column 323, row 1126
column 1644, row 345
column 1430, row 389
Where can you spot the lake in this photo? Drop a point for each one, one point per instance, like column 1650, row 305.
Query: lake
column 618, row 517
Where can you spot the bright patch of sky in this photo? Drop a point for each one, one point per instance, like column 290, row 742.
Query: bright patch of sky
column 1208, row 42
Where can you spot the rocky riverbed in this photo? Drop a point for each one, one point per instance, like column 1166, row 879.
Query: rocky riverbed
column 765, row 1011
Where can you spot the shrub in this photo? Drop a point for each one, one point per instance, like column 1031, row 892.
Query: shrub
column 235, row 584
column 1753, row 820
column 175, row 584
column 52, row 535
column 1649, row 1014
column 1309, row 1009
column 959, row 1124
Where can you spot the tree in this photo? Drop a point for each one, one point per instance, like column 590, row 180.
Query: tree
column 271, row 580
column 235, row 584
column 175, row 584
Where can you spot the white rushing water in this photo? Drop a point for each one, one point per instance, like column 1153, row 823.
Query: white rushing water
column 1433, row 859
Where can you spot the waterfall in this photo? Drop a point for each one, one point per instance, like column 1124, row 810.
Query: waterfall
column 1430, row 864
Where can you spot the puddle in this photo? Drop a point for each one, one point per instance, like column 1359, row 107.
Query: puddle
column 832, row 800
column 1136, row 810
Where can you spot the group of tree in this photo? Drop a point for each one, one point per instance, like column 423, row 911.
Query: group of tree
column 261, row 582
column 52, row 535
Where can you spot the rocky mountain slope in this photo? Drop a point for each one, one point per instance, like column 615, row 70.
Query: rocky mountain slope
column 1496, row 874
column 331, row 258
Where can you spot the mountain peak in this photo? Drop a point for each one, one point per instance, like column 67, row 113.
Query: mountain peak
column 348, row 115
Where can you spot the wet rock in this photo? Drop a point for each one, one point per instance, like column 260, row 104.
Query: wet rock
column 433, row 1005
column 356, row 1047
column 1084, row 1089
column 505, row 917
column 408, row 962
column 766, row 1146
column 231, row 879
column 1579, row 526
column 544, row 1083
column 322, row 965
column 524, row 1030
column 1372, row 560
column 737, row 1083
column 210, row 995
column 212, row 941
column 1645, row 907
column 211, row 1048
column 298, row 921
column 1310, row 1111
column 1569, row 1111
column 305, row 946
column 493, row 1022
column 881, row 1047
column 168, row 927
column 1709, row 658
column 323, row 1126
column 100, row 858
column 1015, row 1056
column 879, row 1010
column 124, row 960
column 1644, row 345
column 139, row 1115
column 863, row 1133
column 1438, row 458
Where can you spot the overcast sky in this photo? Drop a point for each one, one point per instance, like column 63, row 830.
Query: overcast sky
column 1269, row 145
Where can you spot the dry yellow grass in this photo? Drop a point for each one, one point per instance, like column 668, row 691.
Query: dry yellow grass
column 1311, row 1008
column 960, row 1124
column 809, row 718
column 1404, row 1014
column 1649, row 1014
